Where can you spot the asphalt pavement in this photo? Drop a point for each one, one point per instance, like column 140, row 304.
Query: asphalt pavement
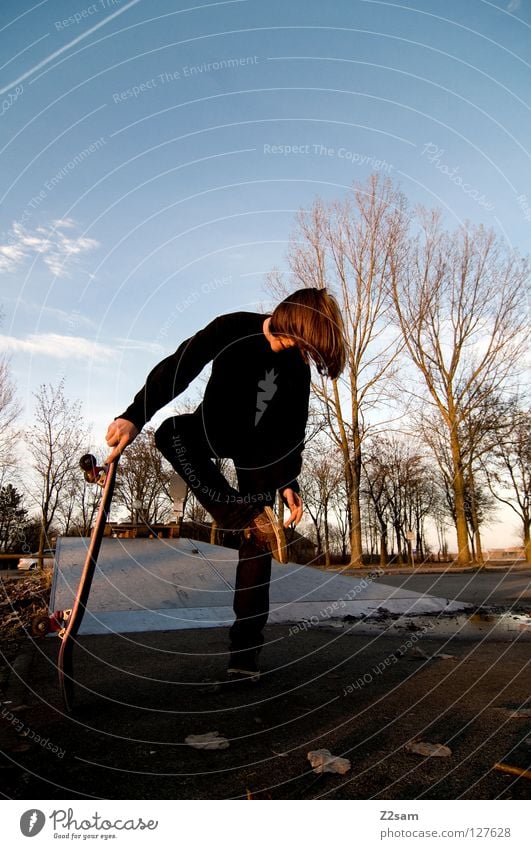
column 140, row 696
column 365, row 697
column 512, row 589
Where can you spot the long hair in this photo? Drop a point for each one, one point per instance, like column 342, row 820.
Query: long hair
column 312, row 318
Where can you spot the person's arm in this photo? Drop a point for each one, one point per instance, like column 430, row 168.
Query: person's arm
column 175, row 373
column 293, row 501
column 167, row 380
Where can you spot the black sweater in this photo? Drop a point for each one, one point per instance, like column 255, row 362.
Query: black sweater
column 256, row 400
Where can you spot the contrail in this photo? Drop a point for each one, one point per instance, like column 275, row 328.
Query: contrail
column 67, row 47
column 33, row 43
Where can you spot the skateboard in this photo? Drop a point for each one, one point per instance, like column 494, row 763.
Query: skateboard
column 105, row 477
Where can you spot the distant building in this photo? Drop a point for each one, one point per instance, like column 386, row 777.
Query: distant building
column 300, row 548
column 513, row 553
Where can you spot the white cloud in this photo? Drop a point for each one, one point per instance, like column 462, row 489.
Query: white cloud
column 73, row 319
column 10, row 256
column 61, row 223
column 129, row 344
column 514, row 5
column 57, row 250
column 58, row 346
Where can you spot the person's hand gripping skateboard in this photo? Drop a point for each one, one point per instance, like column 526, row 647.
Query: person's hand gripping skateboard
column 294, row 502
column 120, row 434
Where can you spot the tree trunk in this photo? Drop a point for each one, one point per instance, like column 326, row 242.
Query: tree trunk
column 327, row 537
column 318, row 543
column 356, row 548
column 420, row 544
column 399, row 554
column 463, row 552
column 472, row 545
column 355, row 531
column 42, row 540
column 527, row 541
column 352, row 477
column 383, row 547
column 478, row 551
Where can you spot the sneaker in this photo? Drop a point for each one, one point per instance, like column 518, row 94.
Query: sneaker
column 269, row 534
column 243, row 665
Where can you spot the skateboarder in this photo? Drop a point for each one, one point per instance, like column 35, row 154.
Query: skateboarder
column 254, row 410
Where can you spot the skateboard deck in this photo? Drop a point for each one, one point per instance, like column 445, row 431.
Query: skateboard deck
column 105, row 477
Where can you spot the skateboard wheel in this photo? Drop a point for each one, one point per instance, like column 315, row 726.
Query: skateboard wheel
column 88, row 462
column 40, row 625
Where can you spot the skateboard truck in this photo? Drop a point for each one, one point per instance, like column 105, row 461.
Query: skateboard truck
column 93, row 473
column 56, row 622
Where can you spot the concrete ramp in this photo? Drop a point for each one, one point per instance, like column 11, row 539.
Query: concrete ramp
column 168, row 584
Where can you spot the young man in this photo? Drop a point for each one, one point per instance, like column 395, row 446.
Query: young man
column 254, row 410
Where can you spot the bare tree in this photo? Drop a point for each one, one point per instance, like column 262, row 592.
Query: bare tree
column 340, row 532
column 55, row 441
column 321, row 477
column 352, row 246
column 478, row 433
column 479, row 508
column 508, row 466
column 377, row 495
column 313, row 508
column 10, row 409
column 475, row 435
column 439, row 513
column 79, row 504
column 143, row 481
column 73, row 487
column 9, row 412
column 459, row 301
column 84, row 506
column 398, row 482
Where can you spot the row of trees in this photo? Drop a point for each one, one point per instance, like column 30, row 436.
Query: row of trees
column 406, row 493
column 427, row 422
column 56, row 499
column 436, row 327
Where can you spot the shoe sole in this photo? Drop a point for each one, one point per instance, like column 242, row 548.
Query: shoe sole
column 278, row 549
column 279, row 552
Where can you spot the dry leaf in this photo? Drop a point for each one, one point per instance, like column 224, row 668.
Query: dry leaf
column 322, row 760
column 429, row 750
column 210, row 740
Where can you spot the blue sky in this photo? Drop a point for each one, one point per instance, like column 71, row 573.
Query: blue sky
column 152, row 158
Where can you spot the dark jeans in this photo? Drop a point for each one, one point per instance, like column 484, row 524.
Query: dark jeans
column 182, row 440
